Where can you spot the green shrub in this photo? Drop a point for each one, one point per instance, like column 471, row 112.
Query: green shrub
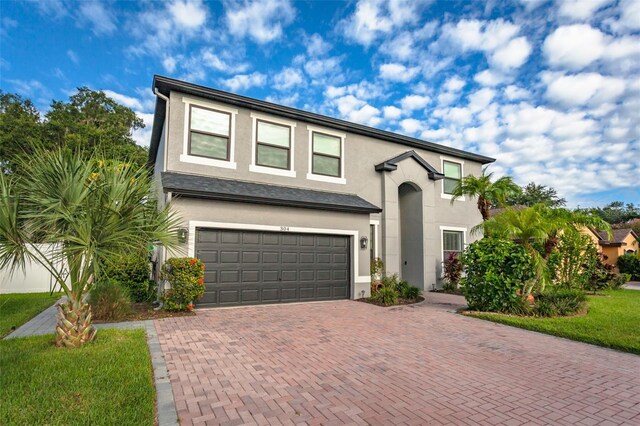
column 602, row 275
column 186, row 276
column 630, row 264
column 109, row 301
column 133, row 273
column 143, row 291
column 411, row 292
column 572, row 263
column 619, row 281
column 386, row 296
column 401, row 287
column 560, row 301
column 495, row 269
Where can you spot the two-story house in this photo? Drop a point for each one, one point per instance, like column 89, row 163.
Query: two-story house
column 286, row 205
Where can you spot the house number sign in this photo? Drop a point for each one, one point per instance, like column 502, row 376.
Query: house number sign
column 284, row 228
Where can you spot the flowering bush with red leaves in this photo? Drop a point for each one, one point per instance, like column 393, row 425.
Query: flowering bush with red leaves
column 186, row 276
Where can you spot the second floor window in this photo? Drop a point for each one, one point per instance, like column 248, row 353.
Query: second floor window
column 209, row 133
column 273, row 145
column 452, row 175
column 326, row 155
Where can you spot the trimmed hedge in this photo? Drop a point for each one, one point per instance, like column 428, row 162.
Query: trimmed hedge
column 630, row 264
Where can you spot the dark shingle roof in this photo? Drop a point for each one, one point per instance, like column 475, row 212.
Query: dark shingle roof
column 617, row 237
column 258, row 193
column 165, row 85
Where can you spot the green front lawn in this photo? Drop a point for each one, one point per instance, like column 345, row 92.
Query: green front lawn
column 16, row 309
column 613, row 321
column 108, row 381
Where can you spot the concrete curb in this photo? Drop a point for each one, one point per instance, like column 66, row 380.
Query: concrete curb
column 167, row 413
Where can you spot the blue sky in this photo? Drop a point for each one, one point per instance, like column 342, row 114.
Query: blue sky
column 550, row 88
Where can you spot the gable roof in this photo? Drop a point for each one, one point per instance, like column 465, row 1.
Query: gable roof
column 392, row 164
column 211, row 188
column 617, row 236
column 165, row 85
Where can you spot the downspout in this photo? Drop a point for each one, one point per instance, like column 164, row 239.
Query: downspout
column 167, row 199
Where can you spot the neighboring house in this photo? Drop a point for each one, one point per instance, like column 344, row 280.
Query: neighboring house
column 286, row 205
column 622, row 241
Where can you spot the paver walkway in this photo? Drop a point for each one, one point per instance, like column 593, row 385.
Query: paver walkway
column 353, row 363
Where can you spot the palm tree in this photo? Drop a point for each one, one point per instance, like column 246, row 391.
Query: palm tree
column 489, row 193
column 88, row 211
column 542, row 225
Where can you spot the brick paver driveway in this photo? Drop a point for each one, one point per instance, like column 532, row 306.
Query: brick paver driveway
column 352, row 363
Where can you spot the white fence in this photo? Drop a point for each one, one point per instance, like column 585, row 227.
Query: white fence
column 33, row 279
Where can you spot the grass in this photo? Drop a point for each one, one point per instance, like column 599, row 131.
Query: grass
column 16, row 309
column 613, row 321
column 108, row 381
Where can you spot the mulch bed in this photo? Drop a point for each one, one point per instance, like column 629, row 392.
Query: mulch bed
column 400, row 301
column 144, row 311
column 457, row 293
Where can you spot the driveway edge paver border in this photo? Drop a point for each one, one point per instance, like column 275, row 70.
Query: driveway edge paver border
column 167, row 413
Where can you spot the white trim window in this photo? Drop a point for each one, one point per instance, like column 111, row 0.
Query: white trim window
column 453, row 241
column 453, row 172
column 326, row 155
column 272, row 146
column 209, row 134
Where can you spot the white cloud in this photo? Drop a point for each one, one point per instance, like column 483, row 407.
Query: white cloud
column 391, row 112
column 414, row 102
column 514, row 93
column 574, row 46
column 288, row 78
column 579, row 89
column 629, row 15
column 101, row 20
column 188, row 14
column 580, row 9
column 489, row 78
column 125, row 100
column 454, row 84
column 480, row 35
column 316, row 46
column 513, row 54
column 410, row 126
column 319, row 68
column 398, row 72
column 217, row 63
column 374, row 18
column 361, row 90
column 481, row 99
column 169, row 64
column 261, row 20
column 73, row 56
column 245, row 81
column 357, row 110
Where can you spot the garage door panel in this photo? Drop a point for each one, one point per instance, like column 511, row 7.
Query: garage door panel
column 270, row 295
column 229, row 257
column 228, row 296
column 288, row 276
column 250, row 276
column 249, row 257
column 252, row 267
column 208, row 256
column 270, row 257
column 230, row 237
column 270, row 276
column 289, row 294
column 229, row 277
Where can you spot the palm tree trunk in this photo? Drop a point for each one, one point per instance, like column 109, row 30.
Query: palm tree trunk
column 485, row 208
column 74, row 328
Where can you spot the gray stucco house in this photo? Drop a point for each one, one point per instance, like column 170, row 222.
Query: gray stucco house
column 285, row 205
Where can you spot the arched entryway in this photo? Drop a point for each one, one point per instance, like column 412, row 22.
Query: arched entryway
column 411, row 251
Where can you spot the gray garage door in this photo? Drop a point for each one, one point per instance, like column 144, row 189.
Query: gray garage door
column 249, row 267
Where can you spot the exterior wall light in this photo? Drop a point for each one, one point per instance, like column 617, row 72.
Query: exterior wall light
column 363, row 242
column 183, row 235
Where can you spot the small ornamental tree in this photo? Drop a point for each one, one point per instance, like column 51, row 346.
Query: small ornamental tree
column 452, row 272
column 186, row 277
